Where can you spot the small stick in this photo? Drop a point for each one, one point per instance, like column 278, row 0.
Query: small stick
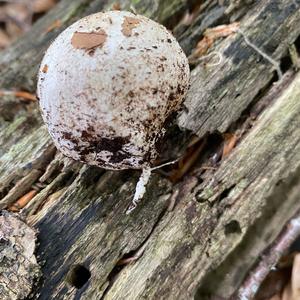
column 263, row 54
column 269, row 259
column 172, row 199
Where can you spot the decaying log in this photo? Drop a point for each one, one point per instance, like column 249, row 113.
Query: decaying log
column 19, row 270
column 223, row 217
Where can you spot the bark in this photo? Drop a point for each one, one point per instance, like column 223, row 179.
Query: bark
column 223, row 217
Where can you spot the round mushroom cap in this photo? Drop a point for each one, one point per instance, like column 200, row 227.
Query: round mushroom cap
column 107, row 85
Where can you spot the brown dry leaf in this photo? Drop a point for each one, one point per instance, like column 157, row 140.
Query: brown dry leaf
column 22, row 202
column 273, row 284
column 56, row 24
column 229, row 143
column 296, row 278
column 4, row 39
column 88, row 40
column 203, row 46
column 19, row 94
column 187, row 161
column 276, row 297
column 116, row 6
column 292, row 289
column 43, row 207
column 190, row 15
column 211, row 34
column 40, row 6
column 19, row 17
column 17, row 11
column 222, row 30
column 287, row 293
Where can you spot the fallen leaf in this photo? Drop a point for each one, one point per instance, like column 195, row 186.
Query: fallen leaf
column 222, row 30
column 211, row 34
column 203, row 46
column 295, row 282
column 276, row 297
column 273, row 284
column 229, row 143
column 56, row 24
column 191, row 15
column 18, row 18
column 287, row 293
column 22, row 202
column 4, row 39
column 40, row 6
column 187, row 161
column 19, row 94
column 116, row 6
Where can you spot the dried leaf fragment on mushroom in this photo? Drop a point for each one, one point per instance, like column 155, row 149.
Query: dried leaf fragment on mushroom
column 88, row 40
column 211, row 34
column 128, row 25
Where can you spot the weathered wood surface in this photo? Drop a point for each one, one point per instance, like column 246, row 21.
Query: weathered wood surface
column 18, row 265
column 222, row 219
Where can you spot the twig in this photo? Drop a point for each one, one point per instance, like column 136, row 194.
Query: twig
column 269, row 259
column 263, row 54
column 172, row 199
column 192, row 60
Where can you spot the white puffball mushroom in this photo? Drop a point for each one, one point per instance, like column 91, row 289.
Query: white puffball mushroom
column 107, row 85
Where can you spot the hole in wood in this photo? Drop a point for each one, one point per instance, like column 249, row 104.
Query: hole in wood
column 297, row 43
column 232, row 227
column 226, row 192
column 285, row 63
column 78, row 276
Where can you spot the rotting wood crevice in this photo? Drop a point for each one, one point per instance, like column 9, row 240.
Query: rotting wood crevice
column 10, row 190
column 264, row 98
column 131, row 257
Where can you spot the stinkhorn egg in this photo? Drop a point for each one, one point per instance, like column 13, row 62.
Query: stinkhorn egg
column 107, row 85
